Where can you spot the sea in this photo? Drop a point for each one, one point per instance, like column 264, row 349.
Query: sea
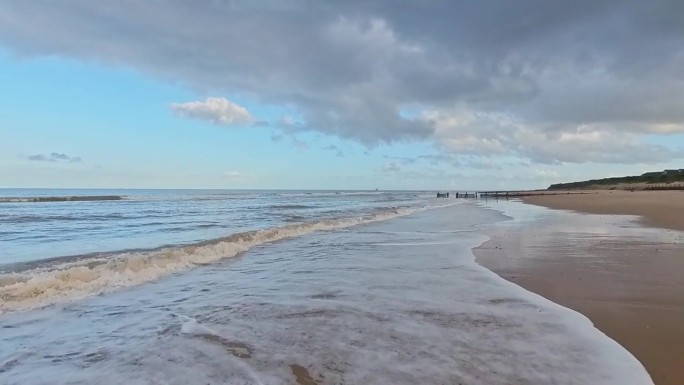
column 275, row 287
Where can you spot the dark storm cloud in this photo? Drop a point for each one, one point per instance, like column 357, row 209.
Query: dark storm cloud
column 528, row 75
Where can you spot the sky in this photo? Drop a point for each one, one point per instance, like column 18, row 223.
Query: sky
column 308, row 94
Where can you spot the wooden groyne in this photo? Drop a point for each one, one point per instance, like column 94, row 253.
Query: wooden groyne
column 514, row 194
column 466, row 194
column 457, row 195
column 503, row 194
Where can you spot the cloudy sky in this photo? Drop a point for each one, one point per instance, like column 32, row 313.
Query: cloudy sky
column 338, row 94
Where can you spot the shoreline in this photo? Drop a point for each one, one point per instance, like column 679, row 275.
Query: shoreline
column 629, row 285
column 660, row 209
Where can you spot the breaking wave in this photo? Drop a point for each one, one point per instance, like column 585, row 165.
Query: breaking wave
column 66, row 279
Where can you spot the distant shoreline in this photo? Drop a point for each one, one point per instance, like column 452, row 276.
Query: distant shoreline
column 74, row 198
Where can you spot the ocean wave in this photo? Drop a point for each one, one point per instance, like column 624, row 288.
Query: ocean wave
column 75, row 198
column 79, row 277
column 37, row 218
column 31, row 218
column 289, row 207
column 294, row 218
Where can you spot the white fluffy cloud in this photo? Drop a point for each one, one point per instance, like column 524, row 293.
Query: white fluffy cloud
column 216, row 110
column 491, row 134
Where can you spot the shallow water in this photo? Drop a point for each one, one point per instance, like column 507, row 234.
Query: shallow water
column 31, row 231
column 394, row 302
column 64, row 249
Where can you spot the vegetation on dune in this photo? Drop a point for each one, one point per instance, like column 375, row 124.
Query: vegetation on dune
column 649, row 178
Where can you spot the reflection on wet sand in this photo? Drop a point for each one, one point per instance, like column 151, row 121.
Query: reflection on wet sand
column 625, row 278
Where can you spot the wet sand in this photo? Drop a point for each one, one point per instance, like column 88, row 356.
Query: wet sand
column 656, row 208
column 631, row 287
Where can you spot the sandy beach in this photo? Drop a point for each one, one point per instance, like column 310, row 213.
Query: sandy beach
column 656, row 208
column 630, row 286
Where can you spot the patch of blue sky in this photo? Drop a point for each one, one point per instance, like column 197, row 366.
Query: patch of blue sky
column 673, row 142
column 119, row 122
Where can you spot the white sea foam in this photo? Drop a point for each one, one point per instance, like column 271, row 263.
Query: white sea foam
column 83, row 277
column 192, row 327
